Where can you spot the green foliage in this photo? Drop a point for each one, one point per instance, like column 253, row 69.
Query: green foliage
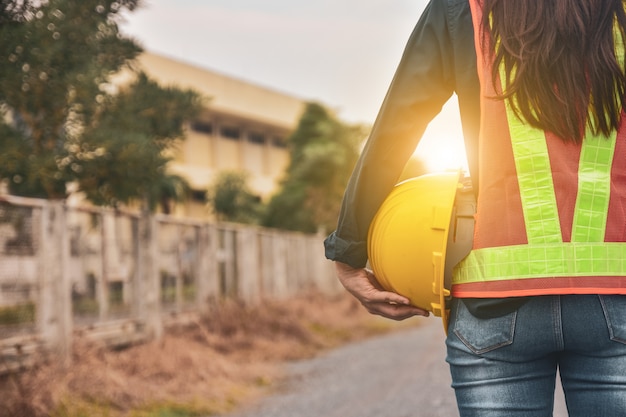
column 165, row 190
column 78, row 407
column 120, row 158
column 17, row 314
column 15, row 10
column 323, row 153
column 174, row 410
column 85, row 307
column 231, row 200
column 63, row 121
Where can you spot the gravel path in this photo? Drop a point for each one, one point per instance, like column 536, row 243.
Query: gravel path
column 403, row 374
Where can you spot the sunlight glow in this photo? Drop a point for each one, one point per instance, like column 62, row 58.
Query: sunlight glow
column 442, row 147
column 442, row 155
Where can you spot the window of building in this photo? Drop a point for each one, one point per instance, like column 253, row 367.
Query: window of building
column 202, row 127
column 230, row 132
column 279, row 142
column 255, row 137
column 199, row 196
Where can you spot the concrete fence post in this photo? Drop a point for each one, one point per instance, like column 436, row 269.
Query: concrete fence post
column 179, row 283
column 148, row 279
column 213, row 277
column 102, row 291
column 54, row 314
column 206, row 267
column 324, row 269
column 280, row 262
column 248, row 265
column 229, row 283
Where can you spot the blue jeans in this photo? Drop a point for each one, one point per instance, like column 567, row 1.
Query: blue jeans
column 506, row 366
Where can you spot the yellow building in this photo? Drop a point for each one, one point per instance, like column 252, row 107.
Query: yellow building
column 244, row 127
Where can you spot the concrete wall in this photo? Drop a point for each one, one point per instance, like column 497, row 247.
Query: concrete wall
column 84, row 269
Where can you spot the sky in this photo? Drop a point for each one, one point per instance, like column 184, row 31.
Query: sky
column 341, row 53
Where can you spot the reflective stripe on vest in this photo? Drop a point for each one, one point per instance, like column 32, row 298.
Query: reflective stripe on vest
column 546, row 255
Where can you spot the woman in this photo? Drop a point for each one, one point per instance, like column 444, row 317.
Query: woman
column 540, row 86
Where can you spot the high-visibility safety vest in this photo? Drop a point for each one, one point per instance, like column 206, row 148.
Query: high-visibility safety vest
column 551, row 215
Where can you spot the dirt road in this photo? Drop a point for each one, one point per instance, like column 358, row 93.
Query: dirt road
column 399, row 375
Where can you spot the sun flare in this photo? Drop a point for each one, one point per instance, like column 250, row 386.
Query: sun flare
column 442, row 147
column 442, row 154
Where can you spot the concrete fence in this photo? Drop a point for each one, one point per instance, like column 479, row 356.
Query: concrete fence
column 120, row 277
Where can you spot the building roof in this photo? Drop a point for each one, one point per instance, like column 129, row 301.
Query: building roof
column 226, row 94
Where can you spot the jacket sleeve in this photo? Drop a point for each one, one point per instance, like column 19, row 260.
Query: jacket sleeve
column 423, row 82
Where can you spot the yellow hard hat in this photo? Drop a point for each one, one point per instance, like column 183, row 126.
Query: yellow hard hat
column 422, row 229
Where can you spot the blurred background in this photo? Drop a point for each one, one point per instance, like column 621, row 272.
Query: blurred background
column 342, row 54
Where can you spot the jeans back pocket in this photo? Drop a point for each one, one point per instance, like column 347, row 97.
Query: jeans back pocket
column 614, row 308
column 481, row 335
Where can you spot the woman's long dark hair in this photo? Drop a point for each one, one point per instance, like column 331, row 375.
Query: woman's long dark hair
column 560, row 61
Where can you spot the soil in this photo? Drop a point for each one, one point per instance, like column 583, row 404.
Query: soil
column 217, row 363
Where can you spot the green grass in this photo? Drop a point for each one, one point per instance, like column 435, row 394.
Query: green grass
column 73, row 407
column 173, row 410
column 17, row 314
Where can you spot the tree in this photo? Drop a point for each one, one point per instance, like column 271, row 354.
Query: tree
column 64, row 121
column 167, row 189
column 53, row 61
column 121, row 156
column 15, row 10
column 231, row 199
column 323, row 152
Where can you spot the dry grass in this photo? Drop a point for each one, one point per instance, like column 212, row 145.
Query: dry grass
column 227, row 358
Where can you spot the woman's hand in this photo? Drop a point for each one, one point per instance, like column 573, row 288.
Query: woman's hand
column 362, row 284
